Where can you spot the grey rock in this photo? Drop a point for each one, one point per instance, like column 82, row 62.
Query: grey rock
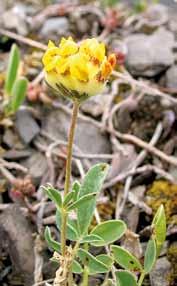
column 88, row 137
column 148, row 55
column 55, row 27
column 171, row 77
column 2, row 6
column 17, row 234
column 15, row 18
column 159, row 276
column 11, row 139
column 95, row 105
column 37, row 165
column 155, row 16
column 26, row 125
column 173, row 22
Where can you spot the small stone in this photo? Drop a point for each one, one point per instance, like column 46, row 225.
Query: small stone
column 88, row 137
column 10, row 138
column 148, row 55
column 155, row 16
column 15, row 18
column 17, row 233
column 159, row 275
column 55, row 27
column 26, row 125
column 171, row 77
column 37, row 165
column 95, row 105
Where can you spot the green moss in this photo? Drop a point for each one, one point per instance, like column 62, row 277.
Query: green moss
column 163, row 192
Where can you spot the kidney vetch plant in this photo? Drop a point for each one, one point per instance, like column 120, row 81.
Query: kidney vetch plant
column 78, row 71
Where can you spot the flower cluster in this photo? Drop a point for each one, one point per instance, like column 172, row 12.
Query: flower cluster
column 77, row 69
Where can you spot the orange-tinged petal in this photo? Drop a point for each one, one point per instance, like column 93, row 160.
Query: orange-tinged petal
column 93, row 48
column 112, row 60
column 107, row 66
column 106, row 70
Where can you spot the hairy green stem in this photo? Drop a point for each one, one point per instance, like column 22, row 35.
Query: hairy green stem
column 85, row 276
column 85, row 271
column 64, row 214
column 141, row 279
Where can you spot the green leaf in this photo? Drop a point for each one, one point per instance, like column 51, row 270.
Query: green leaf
column 68, row 198
column 81, row 201
column 54, row 195
column 14, row 60
column 125, row 278
column 150, row 256
column 50, row 241
column 109, row 231
column 140, row 6
column 109, row 3
column 76, row 189
column 93, row 264
column 92, row 183
column 71, row 232
column 18, row 94
column 105, row 259
column 76, row 267
column 159, row 226
column 125, row 259
column 91, row 238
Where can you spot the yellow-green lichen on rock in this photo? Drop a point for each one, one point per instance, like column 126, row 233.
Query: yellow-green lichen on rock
column 164, row 192
column 172, row 257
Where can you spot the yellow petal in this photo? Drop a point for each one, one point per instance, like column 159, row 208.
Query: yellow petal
column 93, row 48
column 51, row 64
column 62, row 65
column 51, row 44
column 79, row 68
column 49, row 55
column 67, row 47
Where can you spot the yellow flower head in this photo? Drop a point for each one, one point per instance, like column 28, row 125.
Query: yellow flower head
column 77, row 70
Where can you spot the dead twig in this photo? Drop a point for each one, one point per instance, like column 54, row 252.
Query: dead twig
column 43, row 282
column 146, row 88
column 146, row 168
column 23, row 40
column 151, row 149
column 8, row 175
column 140, row 158
column 13, row 165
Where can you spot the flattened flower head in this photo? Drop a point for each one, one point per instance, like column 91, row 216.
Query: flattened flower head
column 77, row 70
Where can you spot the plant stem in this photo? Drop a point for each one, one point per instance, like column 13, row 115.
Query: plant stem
column 70, row 279
column 141, row 279
column 85, row 276
column 64, row 214
column 85, row 272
